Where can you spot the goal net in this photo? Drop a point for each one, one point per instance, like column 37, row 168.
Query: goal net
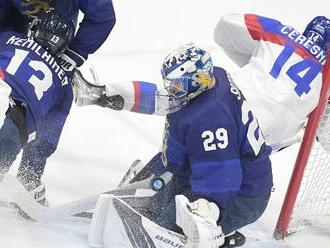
column 307, row 200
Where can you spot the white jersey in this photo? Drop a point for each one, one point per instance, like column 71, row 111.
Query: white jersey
column 280, row 75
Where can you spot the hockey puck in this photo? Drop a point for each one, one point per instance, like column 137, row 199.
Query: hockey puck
column 157, row 184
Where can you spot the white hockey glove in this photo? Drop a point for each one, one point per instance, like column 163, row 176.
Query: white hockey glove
column 198, row 220
column 87, row 93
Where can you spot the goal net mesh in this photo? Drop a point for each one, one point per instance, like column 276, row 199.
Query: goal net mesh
column 308, row 196
column 313, row 200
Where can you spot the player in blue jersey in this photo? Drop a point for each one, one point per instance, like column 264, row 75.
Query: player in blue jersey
column 213, row 175
column 40, row 98
column 98, row 19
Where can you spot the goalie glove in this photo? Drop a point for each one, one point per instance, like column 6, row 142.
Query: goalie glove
column 198, row 221
column 87, row 93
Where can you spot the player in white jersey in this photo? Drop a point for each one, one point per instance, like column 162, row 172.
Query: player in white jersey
column 280, row 69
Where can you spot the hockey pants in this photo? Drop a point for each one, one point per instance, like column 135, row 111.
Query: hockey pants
column 34, row 155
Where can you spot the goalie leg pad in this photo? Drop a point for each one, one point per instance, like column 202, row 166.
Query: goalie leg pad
column 116, row 224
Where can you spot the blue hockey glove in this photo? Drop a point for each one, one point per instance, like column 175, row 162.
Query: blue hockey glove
column 319, row 31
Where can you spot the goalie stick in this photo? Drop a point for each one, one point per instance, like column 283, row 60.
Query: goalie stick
column 135, row 168
column 65, row 212
column 39, row 212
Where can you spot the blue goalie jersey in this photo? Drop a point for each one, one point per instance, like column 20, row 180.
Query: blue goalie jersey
column 38, row 82
column 215, row 144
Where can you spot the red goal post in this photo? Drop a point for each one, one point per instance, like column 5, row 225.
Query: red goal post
column 290, row 201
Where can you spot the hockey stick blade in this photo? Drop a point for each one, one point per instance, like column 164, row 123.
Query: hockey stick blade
column 135, row 168
column 39, row 212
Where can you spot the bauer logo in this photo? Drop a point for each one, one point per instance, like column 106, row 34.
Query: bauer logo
column 170, row 243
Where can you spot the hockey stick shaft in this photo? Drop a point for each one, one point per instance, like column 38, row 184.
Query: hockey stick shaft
column 39, row 212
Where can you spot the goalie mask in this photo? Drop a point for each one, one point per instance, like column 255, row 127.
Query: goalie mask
column 187, row 72
column 53, row 32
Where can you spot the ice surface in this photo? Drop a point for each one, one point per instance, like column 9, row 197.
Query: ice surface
column 98, row 145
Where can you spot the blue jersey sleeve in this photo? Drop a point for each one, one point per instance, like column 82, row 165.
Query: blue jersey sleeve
column 144, row 97
column 99, row 19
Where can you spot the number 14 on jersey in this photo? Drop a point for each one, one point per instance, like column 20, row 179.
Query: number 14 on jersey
column 302, row 73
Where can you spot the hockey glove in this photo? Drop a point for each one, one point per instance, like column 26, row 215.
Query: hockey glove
column 87, row 93
column 198, row 221
column 318, row 30
column 70, row 59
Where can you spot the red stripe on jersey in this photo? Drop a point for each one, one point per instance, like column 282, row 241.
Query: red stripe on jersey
column 254, row 26
column 304, row 54
column 2, row 76
column 137, row 96
column 257, row 32
column 277, row 39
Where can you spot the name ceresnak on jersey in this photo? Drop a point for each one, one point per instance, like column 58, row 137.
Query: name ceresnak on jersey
column 314, row 49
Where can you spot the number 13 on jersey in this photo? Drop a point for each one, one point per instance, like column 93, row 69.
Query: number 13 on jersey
column 40, row 85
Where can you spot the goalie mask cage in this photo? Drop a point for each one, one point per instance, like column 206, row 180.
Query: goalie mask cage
column 307, row 200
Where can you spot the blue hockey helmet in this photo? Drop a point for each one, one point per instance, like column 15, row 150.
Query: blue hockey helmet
column 53, row 32
column 318, row 30
column 187, row 72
